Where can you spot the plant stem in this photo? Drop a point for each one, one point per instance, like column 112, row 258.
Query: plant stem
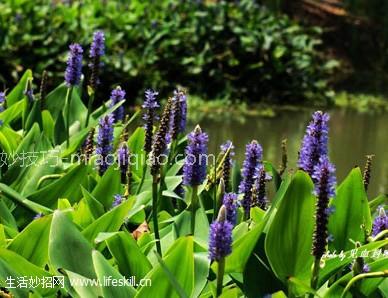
column 68, row 102
column 90, row 106
column 315, row 275
column 142, row 176
column 220, row 276
column 155, row 213
column 194, row 205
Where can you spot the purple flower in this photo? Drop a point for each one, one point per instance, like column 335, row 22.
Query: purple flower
column 38, row 215
column 123, row 161
column 179, row 113
column 365, row 268
column 230, row 202
column 220, row 237
column 74, row 65
column 97, row 49
column 98, row 44
column 380, row 223
column 118, row 199
column 150, row 105
column 116, row 96
column 194, row 169
column 324, row 176
column 2, row 101
column 258, row 193
column 315, row 142
column 104, row 143
column 253, row 157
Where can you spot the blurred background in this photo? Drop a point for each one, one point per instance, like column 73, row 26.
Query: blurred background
column 254, row 69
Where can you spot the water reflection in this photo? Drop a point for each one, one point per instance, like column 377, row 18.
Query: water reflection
column 352, row 136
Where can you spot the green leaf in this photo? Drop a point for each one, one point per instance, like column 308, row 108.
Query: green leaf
column 31, row 206
column 351, row 212
column 289, row 239
column 32, row 242
column 68, row 249
column 103, row 270
column 17, row 93
column 85, row 287
column 136, row 144
column 179, row 261
column 76, row 177
column 14, row 265
column 130, row 260
column 366, row 286
column 108, row 186
column 110, row 221
column 34, row 116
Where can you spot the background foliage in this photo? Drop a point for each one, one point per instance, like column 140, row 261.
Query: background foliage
column 235, row 49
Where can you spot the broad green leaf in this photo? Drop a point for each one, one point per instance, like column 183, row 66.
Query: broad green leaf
column 31, row 206
column 84, row 287
column 34, row 116
column 136, row 144
column 130, row 260
column 335, row 264
column 242, row 249
column 96, row 208
column 76, row 177
column 121, row 288
column 366, row 286
column 289, row 239
column 108, row 186
column 13, row 112
column 17, row 93
column 32, row 242
column 110, row 221
column 351, row 212
column 179, row 261
column 14, row 265
column 68, row 248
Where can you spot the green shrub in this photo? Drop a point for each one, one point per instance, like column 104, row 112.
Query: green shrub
column 234, row 49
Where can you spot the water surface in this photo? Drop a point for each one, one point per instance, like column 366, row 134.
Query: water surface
column 352, row 136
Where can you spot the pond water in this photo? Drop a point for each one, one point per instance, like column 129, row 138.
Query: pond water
column 352, row 136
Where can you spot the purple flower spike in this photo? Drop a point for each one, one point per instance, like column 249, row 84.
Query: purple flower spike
column 116, row 96
column 258, row 191
column 179, row 113
column 2, row 101
column 324, row 175
column 123, row 161
column 380, row 223
column 230, row 202
column 97, row 49
column 150, row 105
column 194, row 169
column 74, row 66
column 314, row 144
column 220, row 237
column 98, row 44
column 253, row 157
column 104, row 143
column 118, row 199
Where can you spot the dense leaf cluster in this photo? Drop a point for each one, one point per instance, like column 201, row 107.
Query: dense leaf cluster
column 235, row 49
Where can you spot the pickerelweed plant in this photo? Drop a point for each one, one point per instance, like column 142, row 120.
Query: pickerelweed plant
column 101, row 199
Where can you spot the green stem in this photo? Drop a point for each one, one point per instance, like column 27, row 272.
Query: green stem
column 220, row 276
column 90, row 106
column 155, row 213
column 142, row 176
column 315, row 275
column 194, row 206
column 68, row 103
